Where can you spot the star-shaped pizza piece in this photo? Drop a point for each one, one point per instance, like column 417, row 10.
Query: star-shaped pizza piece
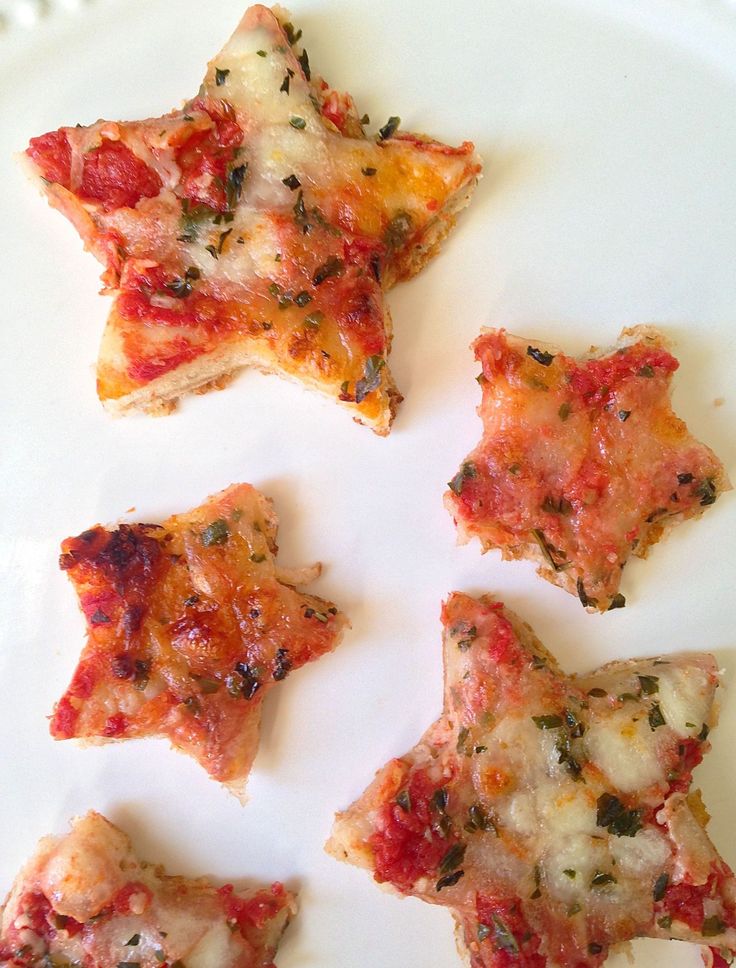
column 86, row 899
column 258, row 226
column 551, row 813
column 190, row 624
column 582, row 461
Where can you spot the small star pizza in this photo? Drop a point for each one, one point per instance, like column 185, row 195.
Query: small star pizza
column 189, row 625
column 551, row 814
column 256, row 226
column 582, row 462
column 85, row 900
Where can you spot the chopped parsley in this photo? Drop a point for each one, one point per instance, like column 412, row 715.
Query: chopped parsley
column 215, row 533
column 371, row 378
column 368, row 171
column 221, row 75
column 332, row 267
column 303, row 59
column 540, row 356
column 614, row 816
column 298, row 123
column 466, row 472
column 390, row 128
column 660, row 886
column 292, row 182
column 547, row 722
column 656, row 719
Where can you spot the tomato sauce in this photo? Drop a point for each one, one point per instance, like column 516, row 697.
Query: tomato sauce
column 407, row 844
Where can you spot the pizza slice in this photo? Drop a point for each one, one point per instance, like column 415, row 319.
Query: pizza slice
column 582, row 462
column 190, row 624
column 256, row 226
column 550, row 813
column 85, row 900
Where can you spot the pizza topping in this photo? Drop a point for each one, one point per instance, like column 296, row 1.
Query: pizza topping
column 129, row 913
column 547, row 801
column 581, row 463
column 389, row 129
column 199, row 624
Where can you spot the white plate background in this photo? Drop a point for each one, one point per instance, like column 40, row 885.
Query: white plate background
column 609, row 136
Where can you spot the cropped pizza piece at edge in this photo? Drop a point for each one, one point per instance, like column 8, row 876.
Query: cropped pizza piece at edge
column 256, row 226
column 85, row 899
column 551, row 814
column 582, row 462
column 189, row 625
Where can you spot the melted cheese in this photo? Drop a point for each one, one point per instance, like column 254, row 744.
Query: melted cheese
column 622, row 745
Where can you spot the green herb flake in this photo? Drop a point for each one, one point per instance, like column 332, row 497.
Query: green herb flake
column 404, row 801
column 623, row 415
column 292, row 182
column 333, row 266
column 656, row 719
column 703, row 734
column 665, row 922
column 539, row 356
column 449, row 880
column 547, row 722
column 646, row 371
column 547, row 549
column 569, row 872
column 216, row 533
column 234, row 184
column 452, row 859
column 298, row 123
column 564, row 411
column 159, row 955
column 285, row 84
column 503, row 936
column 597, row 693
column 660, row 886
column 371, row 378
column 706, row 491
column 314, row 319
column 483, row 932
column 261, row 53
column 257, row 559
column 397, row 231
column 439, row 799
column 712, row 926
column 594, row 948
column 390, row 128
column 614, row 816
column 618, row 601
column 221, row 75
column 467, row 472
column 369, row 172
column 649, row 685
column 133, row 941
column 303, row 59
column 601, row 879
column 292, row 35
column 585, row 599
column 365, row 120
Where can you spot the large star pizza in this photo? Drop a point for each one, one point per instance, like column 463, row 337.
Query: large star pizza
column 582, row 462
column 189, row 625
column 551, row 814
column 258, row 225
column 84, row 899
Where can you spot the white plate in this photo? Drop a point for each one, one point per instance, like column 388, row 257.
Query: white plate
column 609, row 199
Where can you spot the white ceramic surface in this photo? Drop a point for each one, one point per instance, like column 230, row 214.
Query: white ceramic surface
column 607, row 129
